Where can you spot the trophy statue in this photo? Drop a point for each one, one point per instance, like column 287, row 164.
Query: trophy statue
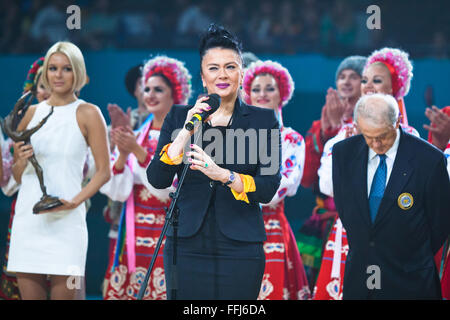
column 9, row 127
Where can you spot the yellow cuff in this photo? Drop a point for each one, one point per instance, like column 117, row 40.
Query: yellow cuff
column 165, row 158
column 249, row 186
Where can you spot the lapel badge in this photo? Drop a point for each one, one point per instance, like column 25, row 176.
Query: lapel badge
column 405, row 201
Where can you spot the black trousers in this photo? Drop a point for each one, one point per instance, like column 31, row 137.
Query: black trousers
column 211, row 266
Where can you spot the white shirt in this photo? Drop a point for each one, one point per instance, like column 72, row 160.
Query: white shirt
column 447, row 155
column 325, row 171
column 373, row 162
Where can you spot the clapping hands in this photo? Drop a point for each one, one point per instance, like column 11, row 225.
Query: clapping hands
column 334, row 110
column 125, row 140
column 439, row 126
column 118, row 117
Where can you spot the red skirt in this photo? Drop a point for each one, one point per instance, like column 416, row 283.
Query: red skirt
column 9, row 289
column 443, row 266
column 284, row 276
column 331, row 275
column 149, row 221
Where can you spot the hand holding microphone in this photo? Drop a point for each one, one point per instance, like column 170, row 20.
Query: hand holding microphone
column 204, row 107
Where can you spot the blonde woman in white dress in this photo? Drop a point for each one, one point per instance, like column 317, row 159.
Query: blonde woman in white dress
column 54, row 243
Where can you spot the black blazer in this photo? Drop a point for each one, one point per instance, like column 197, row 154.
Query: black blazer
column 236, row 219
column 402, row 243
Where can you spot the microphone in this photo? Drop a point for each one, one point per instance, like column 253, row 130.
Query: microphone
column 213, row 102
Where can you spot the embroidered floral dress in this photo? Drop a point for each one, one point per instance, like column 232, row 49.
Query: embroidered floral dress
column 141, row 223
column 9, row 289
column 284, row 276
column 331, row 275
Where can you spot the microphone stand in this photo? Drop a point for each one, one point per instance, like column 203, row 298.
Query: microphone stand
column 171, row 218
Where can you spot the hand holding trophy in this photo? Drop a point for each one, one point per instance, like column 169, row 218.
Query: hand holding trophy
column 9, row 127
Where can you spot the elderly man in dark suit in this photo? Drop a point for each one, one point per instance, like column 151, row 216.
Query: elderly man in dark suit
column 392, row 192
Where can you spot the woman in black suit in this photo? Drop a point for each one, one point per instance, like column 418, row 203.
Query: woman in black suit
column 221, row 230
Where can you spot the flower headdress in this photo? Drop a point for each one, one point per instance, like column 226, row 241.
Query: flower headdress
column 32, row 74
column 175, row 71
column 399, row 66
column 281, row 74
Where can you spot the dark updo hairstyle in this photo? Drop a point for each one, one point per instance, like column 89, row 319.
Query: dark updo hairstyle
column 218, row 37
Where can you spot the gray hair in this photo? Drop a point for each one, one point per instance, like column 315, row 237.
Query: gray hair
column 368, row 108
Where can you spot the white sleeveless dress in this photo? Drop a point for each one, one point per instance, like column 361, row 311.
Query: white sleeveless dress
column 52, row 243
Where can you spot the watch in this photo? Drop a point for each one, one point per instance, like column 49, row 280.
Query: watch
column 230, row 179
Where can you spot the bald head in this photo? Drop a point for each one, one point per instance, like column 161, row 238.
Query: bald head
column 379, row 110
